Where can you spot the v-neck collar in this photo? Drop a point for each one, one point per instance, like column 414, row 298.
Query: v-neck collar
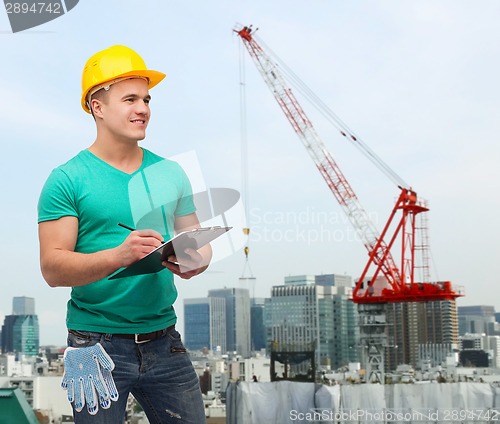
column 97, row 158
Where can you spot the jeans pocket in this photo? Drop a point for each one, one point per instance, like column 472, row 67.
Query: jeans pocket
column 176, row 345
column 82, row 338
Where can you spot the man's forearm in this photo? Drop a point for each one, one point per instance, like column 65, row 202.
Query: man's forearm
column 63, row 268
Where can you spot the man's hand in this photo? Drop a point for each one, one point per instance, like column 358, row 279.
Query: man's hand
column 137, row 245
column 188, row 265
column 193, row 262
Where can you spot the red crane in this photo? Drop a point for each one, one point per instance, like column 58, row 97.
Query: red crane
column 388, row 282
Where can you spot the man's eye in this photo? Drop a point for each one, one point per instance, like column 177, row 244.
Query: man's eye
column 147, row 101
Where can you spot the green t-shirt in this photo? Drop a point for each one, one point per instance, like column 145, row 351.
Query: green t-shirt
column 101, row 196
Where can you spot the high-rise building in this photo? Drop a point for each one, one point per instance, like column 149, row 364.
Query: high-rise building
column 336, row 280
column 476, row 319
column 26, row 334
column 8, row 333
column 494, row 349
column 21, row 330
column 300, row 280
column 477, row 310
column 237, row 319
column 480, row 350
column 313, row 313
column 257, row 326
column 345, row 328
column 23, row 306
column 411, row 324
column 205, row 324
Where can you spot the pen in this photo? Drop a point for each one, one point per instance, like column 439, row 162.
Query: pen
column 132, row 229
column 126, row 226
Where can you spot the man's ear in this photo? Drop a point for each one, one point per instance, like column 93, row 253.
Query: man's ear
column 96, row 107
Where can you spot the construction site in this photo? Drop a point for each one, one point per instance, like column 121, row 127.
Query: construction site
column 393, row 288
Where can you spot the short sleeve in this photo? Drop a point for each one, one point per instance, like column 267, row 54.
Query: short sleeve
column 57, row 198
column 185, row 205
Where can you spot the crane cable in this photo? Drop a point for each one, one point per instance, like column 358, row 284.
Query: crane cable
column 322, row 108
column 295, row 81
column 244, row 156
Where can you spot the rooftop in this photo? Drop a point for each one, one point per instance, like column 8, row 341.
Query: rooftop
column 15, row 408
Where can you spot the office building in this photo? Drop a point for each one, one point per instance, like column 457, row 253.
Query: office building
column 8, row 333
column 23, row 306
column 257, row 325
column 473, row 350
column 476, row 319
column 21, row 330
column 345, row 328
column 310, row 313
column 412, row 324
column 237, row 319
column 205, row 324
column 478, row 345
column 336, row 280
column 435, row 354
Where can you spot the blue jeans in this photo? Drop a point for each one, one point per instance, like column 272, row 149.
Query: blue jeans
column 158, row 373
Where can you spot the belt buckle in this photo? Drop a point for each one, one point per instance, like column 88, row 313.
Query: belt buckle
column 137, row 341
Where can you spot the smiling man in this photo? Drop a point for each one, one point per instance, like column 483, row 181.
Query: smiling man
column 121, row 333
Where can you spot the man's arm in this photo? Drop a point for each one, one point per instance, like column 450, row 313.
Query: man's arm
column 199, row 259
column 63, row 267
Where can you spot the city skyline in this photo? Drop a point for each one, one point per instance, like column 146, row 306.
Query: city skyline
column 415, row 80
column 467, row 326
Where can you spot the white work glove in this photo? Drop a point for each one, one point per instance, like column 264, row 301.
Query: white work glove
column 87, row 378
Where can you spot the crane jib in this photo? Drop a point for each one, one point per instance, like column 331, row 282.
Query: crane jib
column 388, row 282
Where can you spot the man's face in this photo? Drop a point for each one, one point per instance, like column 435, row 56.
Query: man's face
column 125, row 110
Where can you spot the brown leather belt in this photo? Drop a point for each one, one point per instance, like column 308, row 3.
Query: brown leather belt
column 145, row 337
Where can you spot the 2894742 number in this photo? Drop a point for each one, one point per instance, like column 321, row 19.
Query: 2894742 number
column 38, row 7
column 480, row 415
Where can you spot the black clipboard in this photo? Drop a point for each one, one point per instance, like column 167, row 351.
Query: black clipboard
column 152, row 262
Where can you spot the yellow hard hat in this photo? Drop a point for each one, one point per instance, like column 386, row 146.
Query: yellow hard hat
column 112, row 65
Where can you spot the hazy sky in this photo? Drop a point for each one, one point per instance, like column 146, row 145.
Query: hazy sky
column 417, row 80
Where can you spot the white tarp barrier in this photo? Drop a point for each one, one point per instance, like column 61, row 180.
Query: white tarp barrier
column 277, row 402
column 363, row 403
column 287, row 402
column 451, row 403
column 496, row 399
column 328, row 397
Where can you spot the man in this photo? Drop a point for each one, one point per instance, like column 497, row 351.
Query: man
column 124, row 325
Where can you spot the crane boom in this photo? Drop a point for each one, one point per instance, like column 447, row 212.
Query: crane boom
column 397, row 282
